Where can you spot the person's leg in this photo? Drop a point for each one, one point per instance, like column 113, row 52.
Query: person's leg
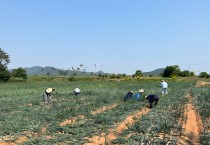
column 162, row 91
column 49, row 97
column 156, row 101
column 150, row 104
column 45, row 99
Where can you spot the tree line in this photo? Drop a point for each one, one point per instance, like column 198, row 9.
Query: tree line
column 20, row 74
column 5, row 74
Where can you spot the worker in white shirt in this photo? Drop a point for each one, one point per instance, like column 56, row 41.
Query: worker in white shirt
column 164, row 86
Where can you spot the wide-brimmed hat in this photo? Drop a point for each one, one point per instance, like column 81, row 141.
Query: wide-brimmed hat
column 141, row 91
column 131, row 91
column 49, row 90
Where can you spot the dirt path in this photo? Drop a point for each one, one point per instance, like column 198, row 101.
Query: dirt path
column 116, row 131
column 25, row 136
column 103, row 109
column 18, row 141
column 202, row 84
column 75, row 119
column 192, row 126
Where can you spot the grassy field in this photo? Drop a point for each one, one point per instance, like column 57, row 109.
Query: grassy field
column 24, row 115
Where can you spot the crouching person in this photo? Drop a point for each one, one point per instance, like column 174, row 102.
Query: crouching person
column 47, row 94
column 151, row 99
column 139, row 94
column 128, row 95
column 76, row 91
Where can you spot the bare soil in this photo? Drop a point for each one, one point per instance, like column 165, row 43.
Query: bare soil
column 103, row 109
column 116, row 131
column 75, row 119
column 192, row 126
column 72, row 120
column 18, row 141
column 202, row 84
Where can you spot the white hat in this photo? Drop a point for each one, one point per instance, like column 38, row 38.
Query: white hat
column 145, row 97
column 49, row 90
column 141, row 91
column 77, row 90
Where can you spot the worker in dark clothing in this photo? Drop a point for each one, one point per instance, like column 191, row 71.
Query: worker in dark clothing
column 128, row 95
column 151, row 99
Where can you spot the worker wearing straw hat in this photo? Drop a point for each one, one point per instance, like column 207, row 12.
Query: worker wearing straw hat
column 47, row 94
column 139, row 94
column 151, row 99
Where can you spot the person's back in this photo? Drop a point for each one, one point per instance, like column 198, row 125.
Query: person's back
column 47, row 94
column 164, row 86
column 137, row 96
column 152, row 98
column 128, row 95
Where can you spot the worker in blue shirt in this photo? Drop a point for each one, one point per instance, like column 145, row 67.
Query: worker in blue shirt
column 139, row 94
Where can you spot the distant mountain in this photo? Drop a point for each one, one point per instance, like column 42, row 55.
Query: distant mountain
column 154, row 72
column 52, row 71
column 38, row 70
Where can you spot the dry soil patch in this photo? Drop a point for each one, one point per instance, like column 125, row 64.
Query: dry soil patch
column 192, row 126
column 116, row 131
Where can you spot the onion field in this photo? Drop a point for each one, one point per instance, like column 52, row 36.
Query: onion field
column 100, row 116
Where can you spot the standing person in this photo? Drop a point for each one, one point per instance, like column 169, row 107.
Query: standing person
column 151, row 99
column 139, row 94
column 47, row 94
column 76, row 91
column 128, row 95
column 164, row 86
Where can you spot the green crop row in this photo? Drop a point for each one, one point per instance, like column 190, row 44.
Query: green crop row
column 202, row 103
column 22, row 110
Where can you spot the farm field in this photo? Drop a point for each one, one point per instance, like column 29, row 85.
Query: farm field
column 100, row 116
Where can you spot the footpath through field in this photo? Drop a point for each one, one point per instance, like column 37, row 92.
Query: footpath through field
column 192, row 125
column 116, row 131
column 75, row 119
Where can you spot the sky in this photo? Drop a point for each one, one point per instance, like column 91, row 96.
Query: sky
column 115, row 36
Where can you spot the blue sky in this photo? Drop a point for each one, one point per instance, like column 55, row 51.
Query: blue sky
column 119, row 36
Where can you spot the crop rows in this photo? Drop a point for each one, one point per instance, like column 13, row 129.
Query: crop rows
column 23, row 114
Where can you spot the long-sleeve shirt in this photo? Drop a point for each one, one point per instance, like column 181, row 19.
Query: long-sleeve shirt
column 164, row 85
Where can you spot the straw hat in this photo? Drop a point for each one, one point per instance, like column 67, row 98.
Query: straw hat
column 49, row 90
column 141, row 91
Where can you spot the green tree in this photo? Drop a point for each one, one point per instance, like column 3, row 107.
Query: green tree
column 4, row 58
column 4, row 74
column 185, row 73
column 138, row 73
column 19, row 73
column 171, row 71
column 4, row 61
column 204, row 75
